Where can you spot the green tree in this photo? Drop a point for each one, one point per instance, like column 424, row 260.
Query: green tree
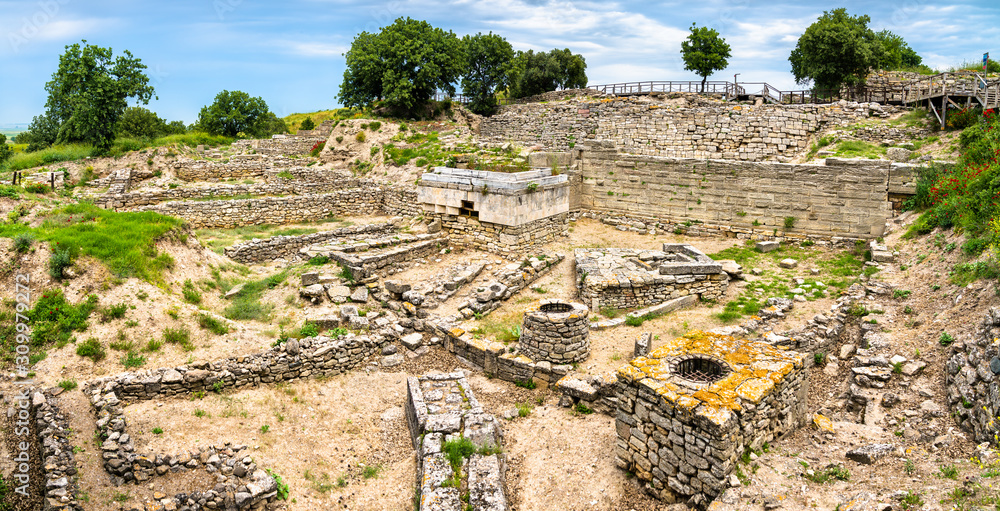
column 488, row 62
column 41, row 133
column 270, row 125
column 896, row 53
column 704, row 52
column 139, row 122
column 90, row 91
column 403, row 65
column 233, row 113
column 838, row 49
column 5, row 150
column 537, row 73
column 307, row 124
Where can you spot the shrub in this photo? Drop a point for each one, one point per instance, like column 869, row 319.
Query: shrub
column 457, row 450
column 22, row 242
column 111, row 312
column 360, row 137
column 308, row 330
column 181, row 336
column 92, row 349
column 582, row 408
column 318, row 148
column 191, row 295
column 340, row 139
column 36, row 188
column 212, row 324
column 133, row 359
column 946, row 339
column 374, row 125
column 307, row 124
column 157, row 431
column 68, row 385
column 54, row 319
column 789, row 222
column 59, row 260
column 282, row 485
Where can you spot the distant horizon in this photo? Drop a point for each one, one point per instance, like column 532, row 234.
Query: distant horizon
column 291, row 53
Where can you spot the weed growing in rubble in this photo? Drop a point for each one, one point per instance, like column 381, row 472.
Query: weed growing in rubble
column 946, row 339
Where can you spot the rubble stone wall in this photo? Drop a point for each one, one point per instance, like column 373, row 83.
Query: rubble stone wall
column 287, row 246
column 973, row 379
column 290, row 209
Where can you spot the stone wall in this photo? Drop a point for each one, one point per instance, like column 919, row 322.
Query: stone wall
column 972, row 379
column 685, row 437
column 364, row 264
column 556, row 331
column 845, row 198
column 242, row 166
column 504, row 239
column 278, row 247
column 442, row 407
column 128, row 201
column 291, row 209
column 628, row 278
column 692, row 128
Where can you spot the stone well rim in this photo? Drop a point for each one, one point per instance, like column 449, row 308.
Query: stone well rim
column 575, row 309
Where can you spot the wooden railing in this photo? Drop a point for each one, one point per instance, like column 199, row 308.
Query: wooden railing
column 729, row 89
column 987, row 92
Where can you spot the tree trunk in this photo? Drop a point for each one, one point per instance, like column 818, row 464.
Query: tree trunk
column 703, row 80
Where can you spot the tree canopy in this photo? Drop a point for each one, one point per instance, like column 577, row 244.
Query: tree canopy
column 535, row 73
column 5, row 150
column 236, row 113
column 88, row 94
column 704, row 52
column 403, row 65
column 896, row 53
column 139, row 122
column 835, row 50
column 488, row 64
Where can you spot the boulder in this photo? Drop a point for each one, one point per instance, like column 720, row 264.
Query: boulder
column 313, row 293
column 360, row 295
column 871, row 453
column 767, row 246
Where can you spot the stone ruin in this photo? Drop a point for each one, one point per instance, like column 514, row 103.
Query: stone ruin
column 441, row 408
column 497, row 211
column 690, row 408
column 624, row 278
column 556, row 331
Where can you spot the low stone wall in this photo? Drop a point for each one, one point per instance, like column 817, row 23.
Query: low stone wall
column 504, row 239
column 286, row 210
column 510, row 279
column 972, row 374
column 300, row 143
column 129, row 201
column 685, row 436
column 627, row 278
column 278, row 247
column 442, row 407
column 238, row 167
column 364, row 264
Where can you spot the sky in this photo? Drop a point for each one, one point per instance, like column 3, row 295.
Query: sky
column 290, row 52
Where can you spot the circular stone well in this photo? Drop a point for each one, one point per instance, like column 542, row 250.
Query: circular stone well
column 699, row 368
column 556, row 331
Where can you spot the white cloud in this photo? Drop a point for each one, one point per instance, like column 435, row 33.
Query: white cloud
column 317, row 49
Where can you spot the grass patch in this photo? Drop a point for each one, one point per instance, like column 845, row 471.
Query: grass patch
column 92, row 349
column 246, row 304
column 68, row 385
column 180, row 336
column 830, row 473
column 125, row 242
column 54, row 154
column 859, row 149
column 132, row 360
column 212, row 324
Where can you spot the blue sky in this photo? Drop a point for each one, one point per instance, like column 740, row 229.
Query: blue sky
column 290, row 52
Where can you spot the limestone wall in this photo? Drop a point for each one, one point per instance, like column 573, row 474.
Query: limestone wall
column 238, row 167
column 292, row 209
column 131, row 200
column 971, row 377
column 694, row 129
column 845, row 198
column 504, row 239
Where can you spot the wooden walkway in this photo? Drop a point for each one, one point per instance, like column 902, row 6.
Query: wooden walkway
column 944, row 89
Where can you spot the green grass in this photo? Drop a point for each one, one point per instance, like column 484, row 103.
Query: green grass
column 219, row 239
column 830, row 473
column 246, row 304
column 859, row 149
column 68, row 385
column 132, row 360
column 180, row 336
column 54, row 154
column 92, row 349
column 125, row 242
column 212, row 324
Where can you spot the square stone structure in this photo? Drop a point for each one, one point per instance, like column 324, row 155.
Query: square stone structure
column 625, row 278
column 497, row 211
column 689, row 409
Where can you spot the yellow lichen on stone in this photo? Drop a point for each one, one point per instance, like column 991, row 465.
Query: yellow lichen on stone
column 718, row 415
column 755, row 389
column 456, row 332
column 823, row 423
column 630, row 373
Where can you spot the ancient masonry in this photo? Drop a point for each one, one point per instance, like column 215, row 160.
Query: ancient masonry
column 441, row 410
column 688, row 410
column 495, row 211
column 625, row 278
column 287, row 247
column 845, row 198
column 972, row 375
column 246, row 486
column 556, row 331
column 676, row 129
